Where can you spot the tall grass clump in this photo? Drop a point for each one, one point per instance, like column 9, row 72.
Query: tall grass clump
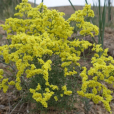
column 46, row 63
column 7, row 8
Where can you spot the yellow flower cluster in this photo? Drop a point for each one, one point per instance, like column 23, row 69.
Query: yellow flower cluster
column 86, row 27
column 5, row 82
column 103, row 66
column 36, row 22
column 1, row 71
column 42, row 98
column 29, row 47
column 64, row 88
column 41, row 33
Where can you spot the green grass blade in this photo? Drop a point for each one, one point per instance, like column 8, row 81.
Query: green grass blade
column 72, row 5
column 41, row 8
column 100, row 23
column 86, row 1
column 34, row 3
column 94, row 40
column 103, row 21
column 109, row 10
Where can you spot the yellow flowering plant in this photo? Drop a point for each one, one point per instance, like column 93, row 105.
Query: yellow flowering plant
column 46, row 61
column 79, row 17
column 100, row 74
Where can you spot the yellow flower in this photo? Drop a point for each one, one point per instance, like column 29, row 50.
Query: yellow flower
column 67, row 92
column 47, row 90
column 1, row 71
column 5, row 88
column 38, row 87
column 55, row 97
column 96, row 99
column 94, row 90
column 106, row 105
column 64, row 88
column 1, row 77
column 61, row 95
column 11, row 83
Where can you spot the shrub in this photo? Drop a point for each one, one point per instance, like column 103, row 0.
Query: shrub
column 42, row 54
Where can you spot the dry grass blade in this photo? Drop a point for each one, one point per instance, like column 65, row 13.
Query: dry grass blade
column 15, row 107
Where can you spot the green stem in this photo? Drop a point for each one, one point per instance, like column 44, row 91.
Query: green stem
column 109, row 10
column 100, row 23
column 103, row 23
column 94, row 40
column 41, row 7
column 86, row 1
column 72, row 5
column 34, row 3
